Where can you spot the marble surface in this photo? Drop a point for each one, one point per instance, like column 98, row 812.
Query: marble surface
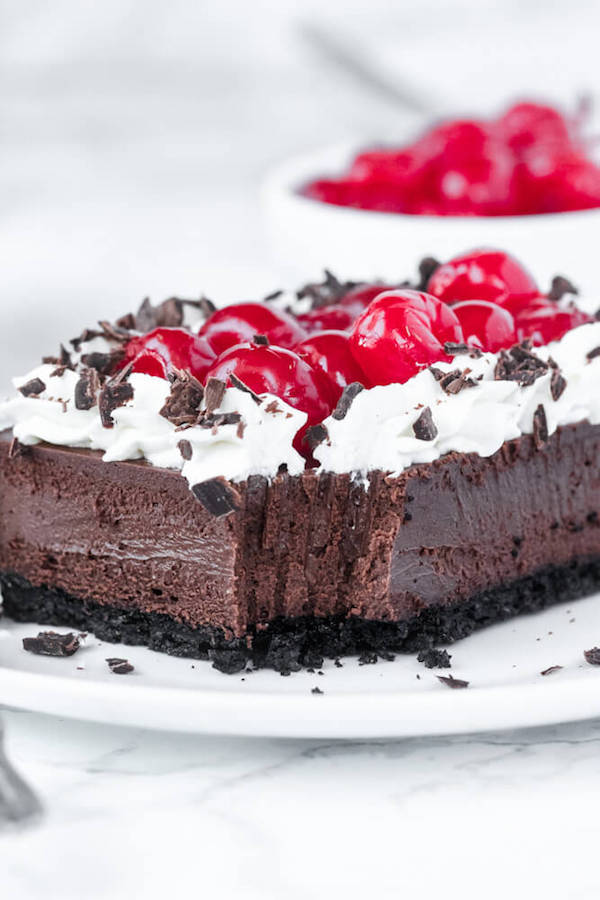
column 134, row 137
column 137, row 814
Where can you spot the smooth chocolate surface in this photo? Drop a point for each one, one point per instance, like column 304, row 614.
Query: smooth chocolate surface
column 132, row 537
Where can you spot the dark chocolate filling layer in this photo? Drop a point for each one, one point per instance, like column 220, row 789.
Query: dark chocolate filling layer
column 288, row 645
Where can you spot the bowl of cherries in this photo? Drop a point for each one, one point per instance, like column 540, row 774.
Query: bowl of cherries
column 371, row 333
column 525, row 180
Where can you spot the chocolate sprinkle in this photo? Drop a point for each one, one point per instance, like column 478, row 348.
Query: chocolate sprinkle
column 452, row 382
column 427, row 267
column 239, row 384
column 86, row 389
column 119, row 666
column 520, row 364
column 557, row 384
column 261, row 340
column 316, row 690
column 214, row 391
column 424, row 427
column 561, row 286
column 185, row 448
column 274, row 295
column 217, row 496
column 350, row 392
column 218, row 419
column 103, row 363
column 50, row 643
column 550, row 670
column 315, row 435
column 182, row 406
column 592, row 656
column 113, row 395
column 434, row 658
column 452, row 682
column 454, row 349
column 540, row 427
column 33, row 388
column 593, row 354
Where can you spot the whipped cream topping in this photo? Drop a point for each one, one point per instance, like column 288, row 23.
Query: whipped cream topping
column 377, row 431
column 256, row 445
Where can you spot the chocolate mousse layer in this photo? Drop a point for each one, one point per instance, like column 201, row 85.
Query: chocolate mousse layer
column 313, row 565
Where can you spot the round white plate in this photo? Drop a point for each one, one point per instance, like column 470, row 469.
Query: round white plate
column 389, row 699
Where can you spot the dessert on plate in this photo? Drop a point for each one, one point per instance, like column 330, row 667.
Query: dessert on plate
column 532, row 159
column 357, row 468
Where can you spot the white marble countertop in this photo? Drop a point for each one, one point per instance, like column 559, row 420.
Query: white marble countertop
column 133, row 139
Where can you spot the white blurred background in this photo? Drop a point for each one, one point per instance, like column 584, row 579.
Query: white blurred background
column 134, row 135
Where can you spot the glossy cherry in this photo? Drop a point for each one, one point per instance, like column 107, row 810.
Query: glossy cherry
column 336, row 316
column 177, row 347
column 241, row 321
column 401, row 332
column 330, row 352
column 278, row 371
column 486, row 325
column 482, row 275
column 149, row 362
column 544, row 321
column 526, row 125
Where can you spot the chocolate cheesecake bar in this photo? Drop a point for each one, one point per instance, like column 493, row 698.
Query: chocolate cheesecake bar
column 211, row 514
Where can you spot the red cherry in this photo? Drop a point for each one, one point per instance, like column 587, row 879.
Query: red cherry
column 149, row 362
column 177, row 347
column 525, row 125
column 486, row 325
column 279, row 371
column 330, row 352
column 482, row 275
column 401, row 332
column 241, row 321
column 335, row 316
column 544, row 321
column 359, row 297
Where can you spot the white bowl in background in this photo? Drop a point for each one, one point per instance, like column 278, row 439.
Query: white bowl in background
column 307, row 236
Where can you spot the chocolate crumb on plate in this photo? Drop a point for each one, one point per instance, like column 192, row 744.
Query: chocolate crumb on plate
column 424, row 427
column 217, row 496
column 452, row 682
column 368, row 658
column 434, row 658
column 550, row 670
column 592, row 656
column 316, row 690
column 119, row 666
column 32, row 388
column 350, row 392
column 50, row 643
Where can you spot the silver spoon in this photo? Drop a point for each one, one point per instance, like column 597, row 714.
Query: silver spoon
column 18, row 803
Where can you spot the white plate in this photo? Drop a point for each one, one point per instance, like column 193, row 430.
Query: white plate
column 502, row 664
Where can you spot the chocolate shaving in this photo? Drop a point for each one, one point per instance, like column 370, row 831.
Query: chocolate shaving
column 427, row 267
column 113, row 395
column 274, row 295
column 592, row 656
column 33, row 388
column 326, row 292
column 452, row 682
column 316, row 690
column 424, row 427
column 315, row 435
column 454, row 349
column 520, row 364
column 434, row 658
column 185, row 448
column 593, row 354
column 540, row 427
column 217, row 496
column 126, row 322
column 168, row 314
column 182, row 406
column 86, row 389
column 116, row 332
column 561, row 286
column 218, row 419
column 50, row 643
column 261, row 340
column 240, row 429
column 558, row 384
column 239, row 384
column 103, row 363
column 214, row 391
column 119, row 666
column 452, row 382
column 550, row 670
column 350, row 392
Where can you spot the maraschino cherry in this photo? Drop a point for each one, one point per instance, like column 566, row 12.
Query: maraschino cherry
column 486, row 325
column 175, row 347
column 402, row 332
column 242, row 321
column 330, row 352
column 543, row 321
column 342, row 315
column 482, row 275
column 278, row 371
